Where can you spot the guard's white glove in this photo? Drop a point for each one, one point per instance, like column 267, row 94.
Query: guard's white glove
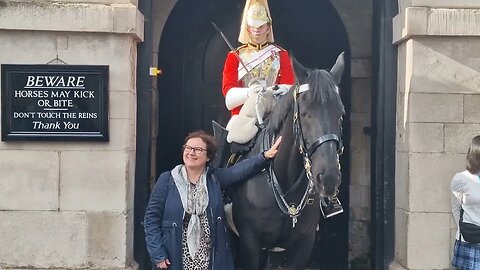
column 254, row 88
column 280, row 90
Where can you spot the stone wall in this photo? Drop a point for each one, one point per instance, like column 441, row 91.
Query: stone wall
column 70, row 204
column 437, row 115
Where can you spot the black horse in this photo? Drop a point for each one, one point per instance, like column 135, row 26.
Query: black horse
column 281, row 206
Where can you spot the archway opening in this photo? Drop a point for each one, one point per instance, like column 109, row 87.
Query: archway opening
column 192, row 54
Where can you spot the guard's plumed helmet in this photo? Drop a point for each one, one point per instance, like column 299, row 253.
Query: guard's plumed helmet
column 256, row 13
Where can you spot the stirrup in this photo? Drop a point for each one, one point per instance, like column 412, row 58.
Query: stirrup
column 331, row 208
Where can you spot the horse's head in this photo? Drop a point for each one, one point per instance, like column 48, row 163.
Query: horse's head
column 318, row 112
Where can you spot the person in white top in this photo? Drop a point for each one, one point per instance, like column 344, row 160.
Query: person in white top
column 465, row 194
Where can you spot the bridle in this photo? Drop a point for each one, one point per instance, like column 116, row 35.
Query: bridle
column 305, row 151
column 295, row 210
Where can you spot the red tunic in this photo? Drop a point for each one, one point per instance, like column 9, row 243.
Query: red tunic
column 230, row 73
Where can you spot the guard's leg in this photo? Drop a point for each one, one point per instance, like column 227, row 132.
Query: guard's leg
column 241, row 127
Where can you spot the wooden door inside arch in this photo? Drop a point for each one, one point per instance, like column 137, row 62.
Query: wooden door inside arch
column 192, row 55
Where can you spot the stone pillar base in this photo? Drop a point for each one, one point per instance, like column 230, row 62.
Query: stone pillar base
column 396, row 266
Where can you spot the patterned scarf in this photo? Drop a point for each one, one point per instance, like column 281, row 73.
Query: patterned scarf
column 194, row 204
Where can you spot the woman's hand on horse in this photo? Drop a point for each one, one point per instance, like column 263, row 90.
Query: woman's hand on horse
column 272, row 152
column 163, row 264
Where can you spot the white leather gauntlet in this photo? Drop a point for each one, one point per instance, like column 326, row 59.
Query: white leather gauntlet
column 282, row 89
column 236, row 96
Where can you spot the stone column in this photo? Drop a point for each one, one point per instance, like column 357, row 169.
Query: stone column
column 438, row 113
column 70, row 204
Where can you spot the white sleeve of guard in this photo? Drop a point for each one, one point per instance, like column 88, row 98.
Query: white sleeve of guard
column 236, row 96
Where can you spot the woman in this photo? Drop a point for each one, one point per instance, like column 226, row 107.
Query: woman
column 465, row 195
column 184, row 221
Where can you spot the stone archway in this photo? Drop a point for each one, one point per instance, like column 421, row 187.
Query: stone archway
column 356, row 21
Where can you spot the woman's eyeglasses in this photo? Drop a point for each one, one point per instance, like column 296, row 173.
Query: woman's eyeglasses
column 196, row 150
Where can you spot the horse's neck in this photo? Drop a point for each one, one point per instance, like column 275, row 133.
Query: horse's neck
column 288, row 163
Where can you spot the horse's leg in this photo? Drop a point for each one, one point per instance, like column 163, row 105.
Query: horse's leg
column 234, row 247
column 300, row 251
column 249, row 251
column 263, row 259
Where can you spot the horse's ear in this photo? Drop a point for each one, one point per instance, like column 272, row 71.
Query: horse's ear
column 337, row 69
column 299, row 70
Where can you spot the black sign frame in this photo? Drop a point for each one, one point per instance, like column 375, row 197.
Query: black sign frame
column 80, row 99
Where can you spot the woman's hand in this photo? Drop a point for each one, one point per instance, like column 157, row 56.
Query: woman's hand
column 163, row 264
column 272, row 152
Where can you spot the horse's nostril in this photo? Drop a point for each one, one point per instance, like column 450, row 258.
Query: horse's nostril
column 329, row 183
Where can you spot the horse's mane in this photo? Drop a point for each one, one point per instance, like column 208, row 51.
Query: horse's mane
column 323, row 90
column 280, row 112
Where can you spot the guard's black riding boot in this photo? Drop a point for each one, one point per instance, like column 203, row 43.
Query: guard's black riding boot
column 331, row 207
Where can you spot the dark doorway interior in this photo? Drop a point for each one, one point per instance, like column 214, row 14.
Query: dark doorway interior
column 191, row 55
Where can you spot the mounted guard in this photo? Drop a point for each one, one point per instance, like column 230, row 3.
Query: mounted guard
column 254, row 76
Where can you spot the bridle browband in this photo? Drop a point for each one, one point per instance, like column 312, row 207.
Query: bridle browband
column 308, row 197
